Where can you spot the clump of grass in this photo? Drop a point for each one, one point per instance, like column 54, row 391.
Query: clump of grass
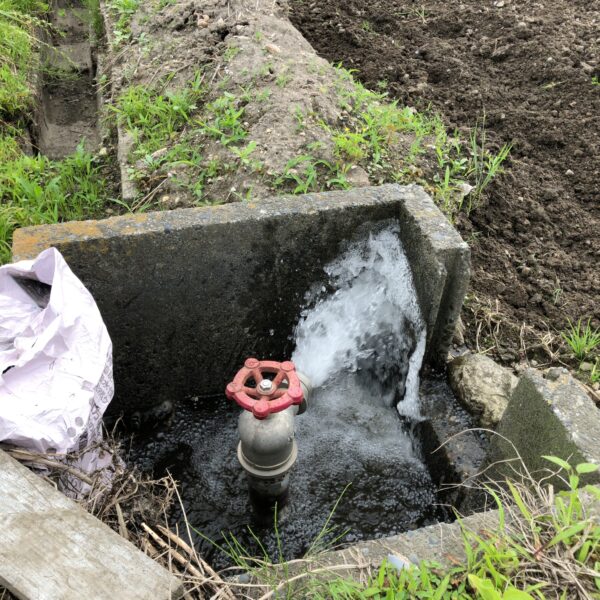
column 547, row 546
column 154, row 117
column 18, row 59
column 35, row 190
column 582, row 339
column 122, row 11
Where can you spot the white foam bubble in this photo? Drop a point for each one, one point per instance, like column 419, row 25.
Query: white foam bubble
column 371, row 318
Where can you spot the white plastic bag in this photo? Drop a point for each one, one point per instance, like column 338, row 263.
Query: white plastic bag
column 55, row 359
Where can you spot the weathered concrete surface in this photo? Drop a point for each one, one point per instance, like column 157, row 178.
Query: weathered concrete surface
column 188, row 294
column 442, row 543
column 483, row 387
column 548, row 414
column 50, row 548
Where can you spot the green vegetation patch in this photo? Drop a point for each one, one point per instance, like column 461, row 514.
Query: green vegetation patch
column 18, row 58
column 122, row 12
column 35, row 190
column 398, row 144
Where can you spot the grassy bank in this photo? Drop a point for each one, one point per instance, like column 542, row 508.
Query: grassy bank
column 35, row 190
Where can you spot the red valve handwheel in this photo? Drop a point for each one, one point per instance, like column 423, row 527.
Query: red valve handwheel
column 267, row 396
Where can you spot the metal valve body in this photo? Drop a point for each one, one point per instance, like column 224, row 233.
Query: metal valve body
column 267, row 449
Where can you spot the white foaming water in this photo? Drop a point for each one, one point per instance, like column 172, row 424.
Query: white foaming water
column 370, row 324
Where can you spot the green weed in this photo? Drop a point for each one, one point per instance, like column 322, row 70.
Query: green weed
column 224, row 120
column 35, row 190
column 379, row 127
column 484, row 166
column 595, row 80
column 582, row 339
column 283, row 79
column 153, row 117
column 122, row 11
column 230, row 53
column 19, row 20
column 595, row 372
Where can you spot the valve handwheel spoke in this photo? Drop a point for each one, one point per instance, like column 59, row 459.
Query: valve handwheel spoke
column 267, row 396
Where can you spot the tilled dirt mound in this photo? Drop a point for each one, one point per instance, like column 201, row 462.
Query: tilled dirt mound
column 528, row 68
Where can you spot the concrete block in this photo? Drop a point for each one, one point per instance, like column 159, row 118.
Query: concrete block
column 188, row 294
column 548, row 414
column 51, row 548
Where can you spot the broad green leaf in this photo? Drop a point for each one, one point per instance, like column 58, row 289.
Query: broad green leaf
column 567, row 533
column 584, row 551
column 586, row 468
column 515, row 594
column 370, row 592
column 441, row 590
column 484, row 588
column 563, row 464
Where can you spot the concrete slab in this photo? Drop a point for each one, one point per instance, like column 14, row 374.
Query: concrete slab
column 548, row 414
column 51, row 548
column 188, row 294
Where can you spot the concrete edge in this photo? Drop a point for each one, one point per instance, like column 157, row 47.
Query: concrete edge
column 454, row 258
column 442, row 543
column 50, row 547
column 129, row 189
column 30, row 241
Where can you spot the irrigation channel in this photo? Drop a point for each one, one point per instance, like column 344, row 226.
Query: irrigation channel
column 68, row 111
column 360, row 339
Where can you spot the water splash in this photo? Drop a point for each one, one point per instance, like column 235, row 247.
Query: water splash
column 370, row 324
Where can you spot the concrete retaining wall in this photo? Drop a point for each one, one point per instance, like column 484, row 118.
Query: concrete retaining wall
column 188, row 294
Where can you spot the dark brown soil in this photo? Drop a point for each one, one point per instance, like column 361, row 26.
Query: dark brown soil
column 527, row 67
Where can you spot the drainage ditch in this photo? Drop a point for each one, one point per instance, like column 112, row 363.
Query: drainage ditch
column 67, row 115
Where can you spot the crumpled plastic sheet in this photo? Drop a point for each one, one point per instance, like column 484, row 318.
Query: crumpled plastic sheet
column 55, row 360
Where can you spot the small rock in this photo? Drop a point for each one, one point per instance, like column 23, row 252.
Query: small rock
column 203, row 21
column 103, row 151
column 272, row 49
column 554, row 373
column 501, row 53
column 358, row 177
column 586, row 367
column 399, row 562
column 569, row 173
column 482, row 386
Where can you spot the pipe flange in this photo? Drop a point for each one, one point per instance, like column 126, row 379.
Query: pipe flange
column 270, row 471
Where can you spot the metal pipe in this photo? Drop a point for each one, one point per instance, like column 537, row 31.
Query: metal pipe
column 267, row 449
